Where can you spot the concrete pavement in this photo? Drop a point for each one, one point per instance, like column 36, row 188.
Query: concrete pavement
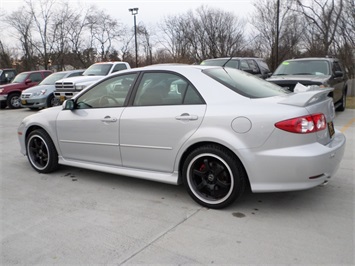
column 76, row 216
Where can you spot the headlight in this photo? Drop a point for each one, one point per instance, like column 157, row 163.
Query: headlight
column 1, row 90
column 80, row 87
column 39, row 93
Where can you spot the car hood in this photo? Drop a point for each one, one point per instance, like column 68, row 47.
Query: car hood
column 11, row 86
column 39, row 88
column 80, row 79
column 299, row 78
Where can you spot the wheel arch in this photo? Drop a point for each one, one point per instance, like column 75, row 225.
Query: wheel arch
column 36, row 127
column 206, row 143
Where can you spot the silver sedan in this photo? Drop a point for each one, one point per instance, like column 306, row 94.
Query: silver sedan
column 214, row 129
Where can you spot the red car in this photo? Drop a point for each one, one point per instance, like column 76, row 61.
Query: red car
column 10, row 93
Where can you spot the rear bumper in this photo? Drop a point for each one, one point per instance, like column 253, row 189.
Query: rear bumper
column 295, row 168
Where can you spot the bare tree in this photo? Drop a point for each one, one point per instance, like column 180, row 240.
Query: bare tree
column 205, row 33
column 104, row 30
column 22, row 22
column 282, row 38
column 323, row 19
column 41, row 12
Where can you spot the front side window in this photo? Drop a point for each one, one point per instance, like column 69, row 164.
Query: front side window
column 111, row 92
column 35, row 77
column 165, row 89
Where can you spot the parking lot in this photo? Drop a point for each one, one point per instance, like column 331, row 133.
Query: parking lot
column 76, row 216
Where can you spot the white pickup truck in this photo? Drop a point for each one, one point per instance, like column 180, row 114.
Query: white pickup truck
column 68, row 87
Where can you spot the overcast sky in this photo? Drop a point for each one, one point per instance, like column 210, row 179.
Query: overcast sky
column 150, row 11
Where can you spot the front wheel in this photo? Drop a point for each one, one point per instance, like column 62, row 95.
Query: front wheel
column 342, row 102
column 41, row 151
column 213, row 176
column 14, row 101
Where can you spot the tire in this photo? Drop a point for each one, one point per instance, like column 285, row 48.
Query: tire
column 52, row 101
column 213, row 176
column 41, row 152
column 13, row 101
column 342, row 102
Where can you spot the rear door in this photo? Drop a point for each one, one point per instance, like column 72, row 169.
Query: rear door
column 165, row 112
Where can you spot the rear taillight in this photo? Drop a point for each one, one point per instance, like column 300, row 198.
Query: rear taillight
column 304, row 124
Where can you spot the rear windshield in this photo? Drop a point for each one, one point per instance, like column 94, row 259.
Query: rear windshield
column 244, row 83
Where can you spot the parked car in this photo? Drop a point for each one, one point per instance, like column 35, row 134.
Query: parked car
column 10, row 94
column 214, row 129
column 7, row 75
column 42, row 95
column 252, row 65
column 68, row 87
column 324, row 71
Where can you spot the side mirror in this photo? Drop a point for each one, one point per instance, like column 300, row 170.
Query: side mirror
column 68, row 104
column 338, row 74
column 28, row 81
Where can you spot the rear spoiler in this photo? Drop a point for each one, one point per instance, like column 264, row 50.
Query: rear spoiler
column 306, row 98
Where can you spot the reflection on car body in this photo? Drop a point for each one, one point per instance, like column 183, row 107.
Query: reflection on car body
column 213, row 129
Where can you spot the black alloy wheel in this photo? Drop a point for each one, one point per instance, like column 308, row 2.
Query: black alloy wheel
column 41, row 151
column 213, row 176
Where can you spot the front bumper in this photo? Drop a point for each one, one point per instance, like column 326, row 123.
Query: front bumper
column 34, row 102
column 3, row 97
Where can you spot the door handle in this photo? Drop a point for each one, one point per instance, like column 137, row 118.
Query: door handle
column 109, row 119
column 186, row 117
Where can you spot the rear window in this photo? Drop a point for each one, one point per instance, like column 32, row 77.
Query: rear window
column 244, row 83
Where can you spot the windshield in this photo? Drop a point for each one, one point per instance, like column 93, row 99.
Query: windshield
column 20, row 78
column 98, row 70
column 214, row 62
column 51, row 79
column 244, row 83
column 303, row 67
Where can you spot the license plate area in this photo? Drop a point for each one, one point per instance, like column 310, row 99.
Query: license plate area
column 331, row 129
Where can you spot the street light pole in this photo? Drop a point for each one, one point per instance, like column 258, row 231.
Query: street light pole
column 134, row 12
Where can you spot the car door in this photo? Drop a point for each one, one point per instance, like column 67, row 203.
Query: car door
column 337, row 82
column 165, row 112
column 90, row 132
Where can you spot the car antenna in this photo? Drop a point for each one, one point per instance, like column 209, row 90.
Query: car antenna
column 227, row 61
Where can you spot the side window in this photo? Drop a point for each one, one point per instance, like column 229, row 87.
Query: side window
column 46, row 74
column 336, row 67
column 119, row 67
column 192, row 97
column 165, row 89
column 244, row 65
column 233, row 63
column 109, row 93
column 253, row 66
column 35, row 77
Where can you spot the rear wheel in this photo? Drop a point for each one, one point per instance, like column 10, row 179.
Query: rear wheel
column 41, row 151
column 213, row 176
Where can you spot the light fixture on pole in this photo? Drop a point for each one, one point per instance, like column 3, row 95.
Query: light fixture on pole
column 134, row 12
